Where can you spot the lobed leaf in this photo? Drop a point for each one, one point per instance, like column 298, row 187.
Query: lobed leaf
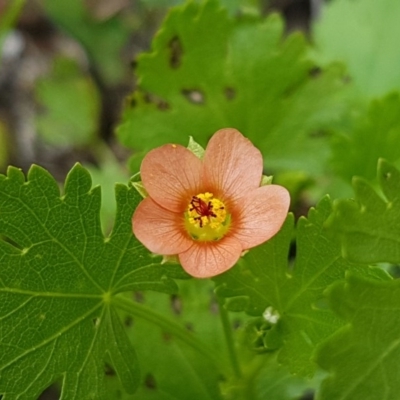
column 58, row 276
column 369, row 226
column 202, row 75
column 363, row 357
column 263, row 280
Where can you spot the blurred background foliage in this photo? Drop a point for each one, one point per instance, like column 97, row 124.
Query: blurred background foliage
column 312, row 84
column 66, row 69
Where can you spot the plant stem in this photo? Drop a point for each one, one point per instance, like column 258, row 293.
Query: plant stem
column 227, row 327
column 140, row 311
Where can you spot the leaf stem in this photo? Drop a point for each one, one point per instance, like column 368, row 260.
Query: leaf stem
column 227, row 327
column 140, row 311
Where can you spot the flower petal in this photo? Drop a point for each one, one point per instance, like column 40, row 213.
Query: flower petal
column 207, row 259
column 159, row 229
column 262, row 214
column 171, row 175
column 232, row 164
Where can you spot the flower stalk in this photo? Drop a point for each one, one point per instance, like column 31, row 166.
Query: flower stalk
column 227, row 328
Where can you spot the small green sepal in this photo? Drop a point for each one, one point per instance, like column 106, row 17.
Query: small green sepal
column 195, row 148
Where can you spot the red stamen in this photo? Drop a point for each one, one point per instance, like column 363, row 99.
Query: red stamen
column 202, row 208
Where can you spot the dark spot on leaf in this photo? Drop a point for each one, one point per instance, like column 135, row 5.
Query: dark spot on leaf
column 230, row 93
column 176, row 51
column 138, row 297
column 163, row 105
column 320, row 133
column 195, row 96
column 128, row 321
column 189, row 326
column 95, row 321
column 214, row 307
column 148, row 98
column 314, row 72
column 132, row 103
column 150, row 382
column 346, row 79
column 167, row 337
column 153, row 99
column 387, row 175
column 176, row 304
column 236, row 324
column 222, row 378
column 109, row 370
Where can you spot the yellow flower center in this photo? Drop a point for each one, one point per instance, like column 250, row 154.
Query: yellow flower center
column 206, row 218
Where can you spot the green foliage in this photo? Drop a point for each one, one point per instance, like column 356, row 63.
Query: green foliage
column 364, row 356
column 58, row 278
column 372, row 135
column 263, row 279
column 70, row 119
column 275, row 382
column 363, row 34
column 192, row 376
column 370, row 225
column 106, row 175
column 207, row 71
column 103, row 40
column 84, row 305
column 231, row 5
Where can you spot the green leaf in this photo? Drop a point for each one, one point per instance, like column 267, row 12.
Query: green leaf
column 71, row 105
column 372, row 135
column 58, row 278
column 363, row 358
column 195, row 148
column 233, row 6
column 106, row 174
column 264, row 283
column 276, row 383
column 170, row 368
column 369, row 226
column 366, row 42
column 202, row 75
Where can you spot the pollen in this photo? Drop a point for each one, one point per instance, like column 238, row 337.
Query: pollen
column 206, row 217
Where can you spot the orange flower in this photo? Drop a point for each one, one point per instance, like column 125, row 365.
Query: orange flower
column 208, row 211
